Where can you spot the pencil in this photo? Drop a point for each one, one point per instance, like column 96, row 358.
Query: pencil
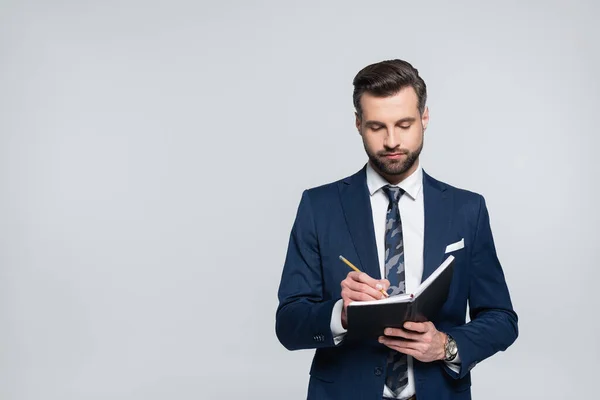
column 358, row 270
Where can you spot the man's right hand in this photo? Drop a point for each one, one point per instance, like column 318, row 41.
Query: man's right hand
column 359, row 286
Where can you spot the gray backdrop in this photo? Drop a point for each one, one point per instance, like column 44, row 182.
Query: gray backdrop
column 153, row 155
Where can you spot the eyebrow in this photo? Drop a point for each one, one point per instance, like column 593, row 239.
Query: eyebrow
column 400, row 121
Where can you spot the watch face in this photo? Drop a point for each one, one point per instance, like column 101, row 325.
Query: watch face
column 452, row 347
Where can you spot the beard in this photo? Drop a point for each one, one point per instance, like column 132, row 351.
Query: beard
column 393, row 167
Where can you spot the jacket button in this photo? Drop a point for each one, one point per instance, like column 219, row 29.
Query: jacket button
column 378, row 371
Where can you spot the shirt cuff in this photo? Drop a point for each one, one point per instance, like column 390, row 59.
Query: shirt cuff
column 454, row 365
column 337, row 330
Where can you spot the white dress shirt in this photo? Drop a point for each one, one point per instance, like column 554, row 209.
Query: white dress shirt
column 412, row 215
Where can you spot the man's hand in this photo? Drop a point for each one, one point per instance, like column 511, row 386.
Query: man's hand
column 422, row 341
column 359, row 286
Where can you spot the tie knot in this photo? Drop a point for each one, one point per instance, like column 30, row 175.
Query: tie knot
column 393, row 193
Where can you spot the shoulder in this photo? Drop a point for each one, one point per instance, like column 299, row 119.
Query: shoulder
column 463, row 198
column 331, row 190
column 319, row 202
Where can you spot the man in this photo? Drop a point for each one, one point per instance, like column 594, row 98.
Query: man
column 396, row 224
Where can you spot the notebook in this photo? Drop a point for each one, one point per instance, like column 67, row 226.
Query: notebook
column 369, row 318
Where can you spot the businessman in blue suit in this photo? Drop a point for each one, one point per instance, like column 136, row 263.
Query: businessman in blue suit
column 396, row 224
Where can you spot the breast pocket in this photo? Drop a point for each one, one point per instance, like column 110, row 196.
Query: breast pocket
column 458, row 248
column 455, row 304
column 455, row 246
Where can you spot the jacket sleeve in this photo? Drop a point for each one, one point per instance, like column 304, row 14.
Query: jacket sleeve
column 303, row 316
column 493, row 325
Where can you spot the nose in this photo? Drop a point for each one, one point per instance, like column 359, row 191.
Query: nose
column 392, row 139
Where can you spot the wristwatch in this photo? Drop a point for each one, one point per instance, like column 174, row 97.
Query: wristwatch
column 450, row 348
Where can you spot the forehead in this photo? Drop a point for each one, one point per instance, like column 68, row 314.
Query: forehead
column 402, row 104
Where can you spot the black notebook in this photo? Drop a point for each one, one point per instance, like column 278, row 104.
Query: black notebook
column 368, row 319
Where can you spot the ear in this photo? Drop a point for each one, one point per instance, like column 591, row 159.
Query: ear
column 425, row 118
column 357, row 122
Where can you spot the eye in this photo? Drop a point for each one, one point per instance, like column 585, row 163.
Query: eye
column 375, row 127
column 405, row 126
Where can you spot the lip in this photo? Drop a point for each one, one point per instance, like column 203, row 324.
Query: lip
column 394, row 156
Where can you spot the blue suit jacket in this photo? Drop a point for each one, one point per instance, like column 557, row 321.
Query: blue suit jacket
column 336, row 219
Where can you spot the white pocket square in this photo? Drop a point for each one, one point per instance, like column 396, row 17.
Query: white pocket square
column 455, row 246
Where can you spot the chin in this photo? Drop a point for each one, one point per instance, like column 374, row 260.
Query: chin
column 394, row 168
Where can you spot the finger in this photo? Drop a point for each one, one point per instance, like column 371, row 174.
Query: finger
column 398, row 332
column 385, row 283
column 414, row 353
column 364, row 288
column 392, row 342
column 382, row 287
column 351, row 277
column 359, row 276
column 401, row 345
column 356, row 285
column 351, row 295
column 359, row 296
column 421, row 327
column 366, row 279
column 354, row 280
column 378, row 285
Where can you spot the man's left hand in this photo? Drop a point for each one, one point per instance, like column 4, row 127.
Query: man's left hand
column 418, row 339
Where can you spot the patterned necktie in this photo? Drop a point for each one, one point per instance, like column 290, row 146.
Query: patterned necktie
column 397, row 367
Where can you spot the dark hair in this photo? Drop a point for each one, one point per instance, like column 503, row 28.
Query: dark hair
column 387, row 78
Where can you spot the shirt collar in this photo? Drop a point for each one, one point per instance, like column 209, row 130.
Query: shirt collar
column 411, row 184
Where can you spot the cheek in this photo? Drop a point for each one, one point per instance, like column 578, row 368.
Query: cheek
column 372, row 141
column 413, row 139
column 366, row 141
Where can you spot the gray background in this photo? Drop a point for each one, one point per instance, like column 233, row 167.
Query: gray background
column 153, row 155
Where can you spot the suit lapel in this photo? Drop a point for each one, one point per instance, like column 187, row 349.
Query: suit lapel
column 356, row 204
column 438, row 219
